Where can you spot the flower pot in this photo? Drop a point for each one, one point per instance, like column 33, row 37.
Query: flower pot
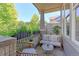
column 30, row 44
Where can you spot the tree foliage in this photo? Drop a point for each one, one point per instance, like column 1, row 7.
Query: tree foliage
column 34, row 24
column 22, row 27
column 9, row 25
column 8, row 19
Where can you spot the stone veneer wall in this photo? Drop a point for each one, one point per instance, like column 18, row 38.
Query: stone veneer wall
column 7, row 46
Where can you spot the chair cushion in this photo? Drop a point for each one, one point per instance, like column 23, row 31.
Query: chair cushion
column 29, row 50
column 54, row 38
column 45, row 37
column 56, row 44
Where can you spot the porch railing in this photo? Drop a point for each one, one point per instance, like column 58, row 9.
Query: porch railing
column 21, row 44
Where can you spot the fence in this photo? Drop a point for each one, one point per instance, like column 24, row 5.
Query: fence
column 21, row 35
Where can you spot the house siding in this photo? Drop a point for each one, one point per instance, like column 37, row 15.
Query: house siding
column 70, row 47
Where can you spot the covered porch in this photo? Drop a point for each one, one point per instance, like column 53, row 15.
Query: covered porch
column 69, row 44
column 69, row 36
column 66, row 43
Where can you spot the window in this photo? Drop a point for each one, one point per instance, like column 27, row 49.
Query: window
column 67, row 18
column 67, row 26
column 77, row 22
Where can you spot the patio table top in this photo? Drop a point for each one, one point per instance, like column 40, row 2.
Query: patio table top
column 47, row 47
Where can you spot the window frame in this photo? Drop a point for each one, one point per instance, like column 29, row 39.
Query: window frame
column 66, row 16
column 75, row 8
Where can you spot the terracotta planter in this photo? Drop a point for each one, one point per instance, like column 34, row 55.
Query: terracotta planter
column 30, row 44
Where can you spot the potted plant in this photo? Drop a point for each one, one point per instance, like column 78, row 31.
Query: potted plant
column 56, row 30
column 30, row 42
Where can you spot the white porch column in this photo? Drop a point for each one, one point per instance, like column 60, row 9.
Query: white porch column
column 64, row 20
column 62, row 23
column 42, row 22
column 72, row 22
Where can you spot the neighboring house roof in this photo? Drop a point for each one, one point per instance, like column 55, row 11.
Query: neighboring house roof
column 57, row 19
column 53, row 19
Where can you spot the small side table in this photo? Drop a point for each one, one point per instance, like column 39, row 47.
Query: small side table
column 47, row 48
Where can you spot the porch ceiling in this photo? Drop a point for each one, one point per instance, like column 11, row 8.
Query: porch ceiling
column 50, row 7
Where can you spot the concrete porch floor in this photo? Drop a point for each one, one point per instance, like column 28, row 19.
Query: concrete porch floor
column 55, row 52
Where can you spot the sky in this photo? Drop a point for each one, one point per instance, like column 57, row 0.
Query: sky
column 26, row 10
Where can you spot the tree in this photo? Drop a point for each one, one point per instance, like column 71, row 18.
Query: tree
column 8, row 19
column 34, row 24
column 22, row 26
